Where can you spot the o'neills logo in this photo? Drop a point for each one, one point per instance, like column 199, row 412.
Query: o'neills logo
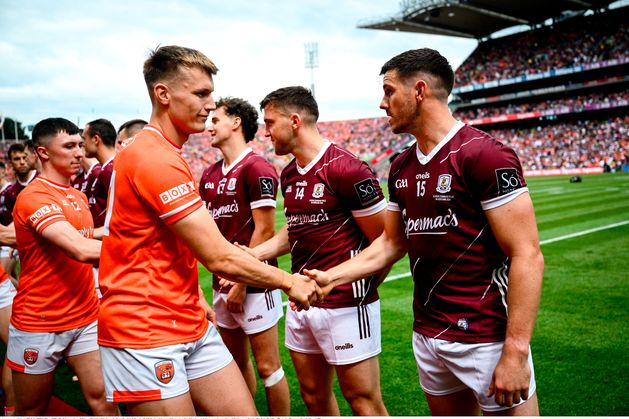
column 253, row 319
column 297, row 219
column 225, row 210
column 413, row 226
column 31, row 355
column 343, row 347
column 165, row 371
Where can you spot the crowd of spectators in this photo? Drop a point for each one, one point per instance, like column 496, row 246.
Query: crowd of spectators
column 575, row 103
column 583, row 40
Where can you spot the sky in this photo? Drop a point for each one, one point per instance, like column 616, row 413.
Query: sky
column 82, row 60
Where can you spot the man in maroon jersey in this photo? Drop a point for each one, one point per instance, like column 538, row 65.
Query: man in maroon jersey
column 239, row 191
column 334, row 207
column 100, row 141
column 461, row 209
column 90, row 167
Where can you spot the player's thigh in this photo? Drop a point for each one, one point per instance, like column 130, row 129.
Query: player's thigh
column 32, row 392
column 361, row 379
column 223, row 393
column 238, row 344
column 314, row 373
column 176, row 406
column 5, row 318
column 87, row 367
column 529, row 408
column 461, row 403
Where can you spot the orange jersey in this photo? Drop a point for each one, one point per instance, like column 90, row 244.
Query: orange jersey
column 148, row 275
column 56, row 293
column 3, row 275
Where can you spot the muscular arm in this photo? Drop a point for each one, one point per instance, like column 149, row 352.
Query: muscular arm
column 200, row 232
column 372, row 226
column 274, row 247
column 67, row 238
column 389, row 247
column 514, row 227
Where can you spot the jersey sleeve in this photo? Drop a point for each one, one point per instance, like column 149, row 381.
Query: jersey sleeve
column 261, row 184
column 359, row 188
column 167, row 187
column 496, row 176
column 39, row 211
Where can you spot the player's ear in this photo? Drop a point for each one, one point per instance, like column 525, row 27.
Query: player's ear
column 161, row 94
column 237, row 122
column 420, row 90
column 42, row 153
column 295, row 120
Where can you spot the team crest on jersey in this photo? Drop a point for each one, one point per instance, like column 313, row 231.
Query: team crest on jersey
column 165, row 371
column 317, row 192
column 31, row 355
column 266, row 186
column 231, row 185
column 443, row 183
column 462, row 324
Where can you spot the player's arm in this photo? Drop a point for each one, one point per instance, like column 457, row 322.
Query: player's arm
column 274, row 247
column 201, row 234
column 372, row 226
column 67, row 238
column 99, row 233
column 389, row 247
column 7, row 235
column 514, row 227
column 264, row 228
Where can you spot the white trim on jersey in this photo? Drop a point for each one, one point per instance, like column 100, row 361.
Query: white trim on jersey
column 54, row 185
column 501, row 277
column 393, row 206
column 304, row 170
column 38, row 226
column 262, row 203
column 374, row 209
column 425, row 159
column 502, row 199
column 225, row 169
column 179, row 209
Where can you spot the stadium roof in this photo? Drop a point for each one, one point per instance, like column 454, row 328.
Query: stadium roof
column 476, row 18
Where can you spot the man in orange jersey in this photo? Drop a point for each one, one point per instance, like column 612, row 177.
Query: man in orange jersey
column 56, row 308
column 160, row 354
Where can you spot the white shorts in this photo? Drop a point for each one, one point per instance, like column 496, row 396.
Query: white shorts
column 343, row 335
column 261, row 312
column 139, row 375
column 448, row 367
column 41, row 352
column 7, row 292
column 5, row 251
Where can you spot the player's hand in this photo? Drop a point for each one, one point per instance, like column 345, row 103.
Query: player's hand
column 511, row 378
column 246, row 249
column 209, row 312
column 302, row 291
column 236, row 298
column 224, row 283
column 323, row 280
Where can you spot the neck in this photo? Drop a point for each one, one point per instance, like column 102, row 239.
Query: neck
column 55, row 176
column 432, row 128
column 24, row 177
column 162, row 121
column 231, row 150
column 307, row 147
column 105, row 154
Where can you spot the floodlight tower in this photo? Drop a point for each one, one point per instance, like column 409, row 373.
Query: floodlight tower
column 312, row 61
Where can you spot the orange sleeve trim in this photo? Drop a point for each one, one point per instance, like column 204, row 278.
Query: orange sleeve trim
column 137, row 395
column 14, row 366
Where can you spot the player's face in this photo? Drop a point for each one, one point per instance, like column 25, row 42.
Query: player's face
column 65, row 153
column 19, row 162
column 90, row 147
column 222, row 127
column 278, row 128
column 191, row 100
column 398, row 102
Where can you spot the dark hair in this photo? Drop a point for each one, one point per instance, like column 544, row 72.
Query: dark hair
column 293, row 98
column 132, row 126
column 164, row 63
column 242, row 109
column 15, row 148
column 30, row 144
column 104, row 129
column 423, row 60
column 2, row 165
column 52, row 126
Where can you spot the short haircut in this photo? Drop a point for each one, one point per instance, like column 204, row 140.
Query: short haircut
column 50, row 127
column 427, row 61
column 15, row 148
column 132, row 127
column 30, row 145
column 104, row 129
column 245, row 111
column 293, row 98
column 164, row 64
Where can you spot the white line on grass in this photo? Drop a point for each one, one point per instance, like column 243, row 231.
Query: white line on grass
column 555, row 239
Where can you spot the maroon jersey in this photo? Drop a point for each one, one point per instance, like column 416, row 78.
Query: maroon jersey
column 98, row 189
column 83, row 178
column 5, row 215
column 9, row 196
column 230, row 193
column 320, row 203
column 459, row 270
